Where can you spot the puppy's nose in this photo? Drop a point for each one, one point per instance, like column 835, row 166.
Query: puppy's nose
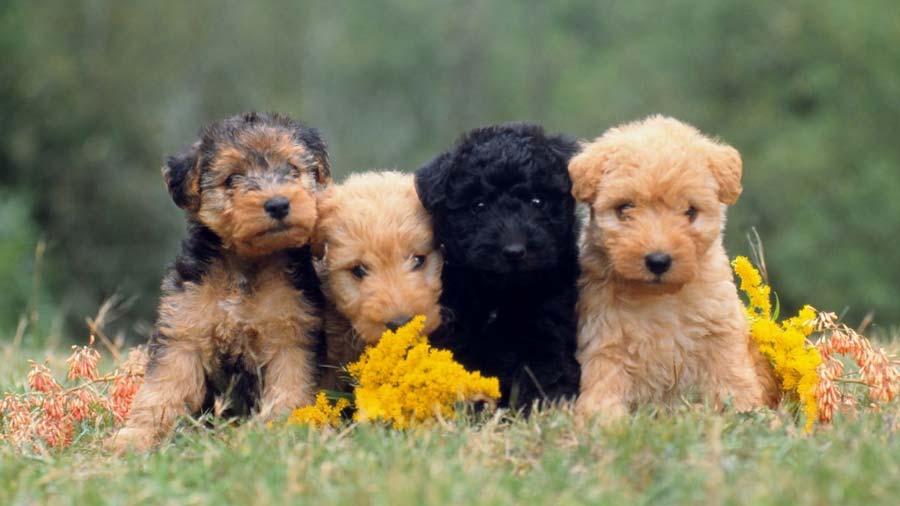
column 277, row 207
column 514, row 251
column 658, row 263
column 398, row 322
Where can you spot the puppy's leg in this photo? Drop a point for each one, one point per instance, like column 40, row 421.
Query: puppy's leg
column 342, row 347
column 288, row 382
column 733, row 374
column 174, row 385
column 605, row 390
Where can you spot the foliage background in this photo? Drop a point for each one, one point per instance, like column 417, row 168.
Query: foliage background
column 94, row 93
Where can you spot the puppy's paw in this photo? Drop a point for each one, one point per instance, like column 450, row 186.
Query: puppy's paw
column 600, row 413
column 747, row 402
column 273, row 409
column 131, row 438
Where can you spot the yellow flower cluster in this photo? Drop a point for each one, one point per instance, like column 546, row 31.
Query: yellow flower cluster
column 752, row 285
column 795, row 361
column 403, row 380
column 320, row 414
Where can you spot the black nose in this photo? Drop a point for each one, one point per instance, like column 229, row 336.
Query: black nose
column 658, row 263
column 277, row 207
column 398, row 322
column 514, row 251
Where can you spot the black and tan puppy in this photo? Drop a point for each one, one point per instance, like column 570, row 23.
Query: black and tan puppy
column 241, row 305
column 504, row 216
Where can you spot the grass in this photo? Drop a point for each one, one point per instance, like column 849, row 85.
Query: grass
column 693, row 455
column 687, row 457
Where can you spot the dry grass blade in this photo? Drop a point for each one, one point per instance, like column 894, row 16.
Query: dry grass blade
column 109, row 311
column 758, row 254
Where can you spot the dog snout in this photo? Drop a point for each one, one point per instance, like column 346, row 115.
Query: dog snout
column 658, row 263
column 277, row 207
column 514, row 251
column 398, row 322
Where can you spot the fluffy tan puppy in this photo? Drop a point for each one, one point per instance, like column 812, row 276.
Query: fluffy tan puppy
column 380, row 267
column 659, row 312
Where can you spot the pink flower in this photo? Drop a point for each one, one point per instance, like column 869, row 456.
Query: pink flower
column 83, row 362
column 40, row 379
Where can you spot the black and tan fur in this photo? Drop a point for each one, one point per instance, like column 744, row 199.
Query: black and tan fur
column 241, row 307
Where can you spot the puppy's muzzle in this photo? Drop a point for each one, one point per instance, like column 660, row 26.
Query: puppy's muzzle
column 658, row 263
column 398, row 322
column 514, row 252
column 277, row 207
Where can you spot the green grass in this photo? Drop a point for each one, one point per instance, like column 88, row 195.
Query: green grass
column 690, row 456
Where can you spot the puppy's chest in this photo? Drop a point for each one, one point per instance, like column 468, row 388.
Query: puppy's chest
column 663, row 347
column 250, row 314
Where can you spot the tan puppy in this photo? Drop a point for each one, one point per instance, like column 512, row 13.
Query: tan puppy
column 659, row 313
column 380, row 266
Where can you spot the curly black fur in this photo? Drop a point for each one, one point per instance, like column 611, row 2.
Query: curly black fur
column 505, row 217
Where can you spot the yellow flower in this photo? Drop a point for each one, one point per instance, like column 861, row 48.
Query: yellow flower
column 753, row 286
column 320, row 414
column 403, row 380
column 785, row 345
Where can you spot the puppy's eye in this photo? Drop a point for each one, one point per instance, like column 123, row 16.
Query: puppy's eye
column 358, row 271
column 537, row 202
column 418, row 262
column 479, row 206
column 315, row 173
column 691, row 213
column 231, row 180
column 622, row 210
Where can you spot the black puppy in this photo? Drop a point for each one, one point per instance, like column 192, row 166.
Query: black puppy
column 505, row 217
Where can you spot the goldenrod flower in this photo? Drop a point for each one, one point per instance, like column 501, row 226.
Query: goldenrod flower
column 320, row 414
column 403, row 380
column 785, row 345
column 752, row 285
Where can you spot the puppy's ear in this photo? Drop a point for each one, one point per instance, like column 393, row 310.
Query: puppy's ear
column 563, row 147
column 324, row 208
column 586, row 168
column 182, row 176
column 431, row 182
column 725, row 164
column 312, row 139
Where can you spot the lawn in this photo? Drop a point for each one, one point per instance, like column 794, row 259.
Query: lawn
column 691, row 456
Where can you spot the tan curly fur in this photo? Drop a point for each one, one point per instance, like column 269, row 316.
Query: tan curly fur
column 660, row 186
column 374, row 222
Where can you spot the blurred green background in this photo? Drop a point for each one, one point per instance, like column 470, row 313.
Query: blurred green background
column 95, row 93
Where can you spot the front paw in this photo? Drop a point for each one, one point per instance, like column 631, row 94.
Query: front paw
column 131, row 438
column 278, row 406
column 604, row 412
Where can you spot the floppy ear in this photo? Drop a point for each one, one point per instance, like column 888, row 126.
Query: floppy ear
column 182, row 176
column 324, row 207
column 431, row 182
column 725, row 164
column 315, row 143
column 563, row 147
column 586, row 168
column 324, row 169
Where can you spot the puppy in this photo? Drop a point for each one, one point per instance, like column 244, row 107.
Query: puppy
column 658, row 310
column 241, row 305
column 380, row 266
column 505, row 218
